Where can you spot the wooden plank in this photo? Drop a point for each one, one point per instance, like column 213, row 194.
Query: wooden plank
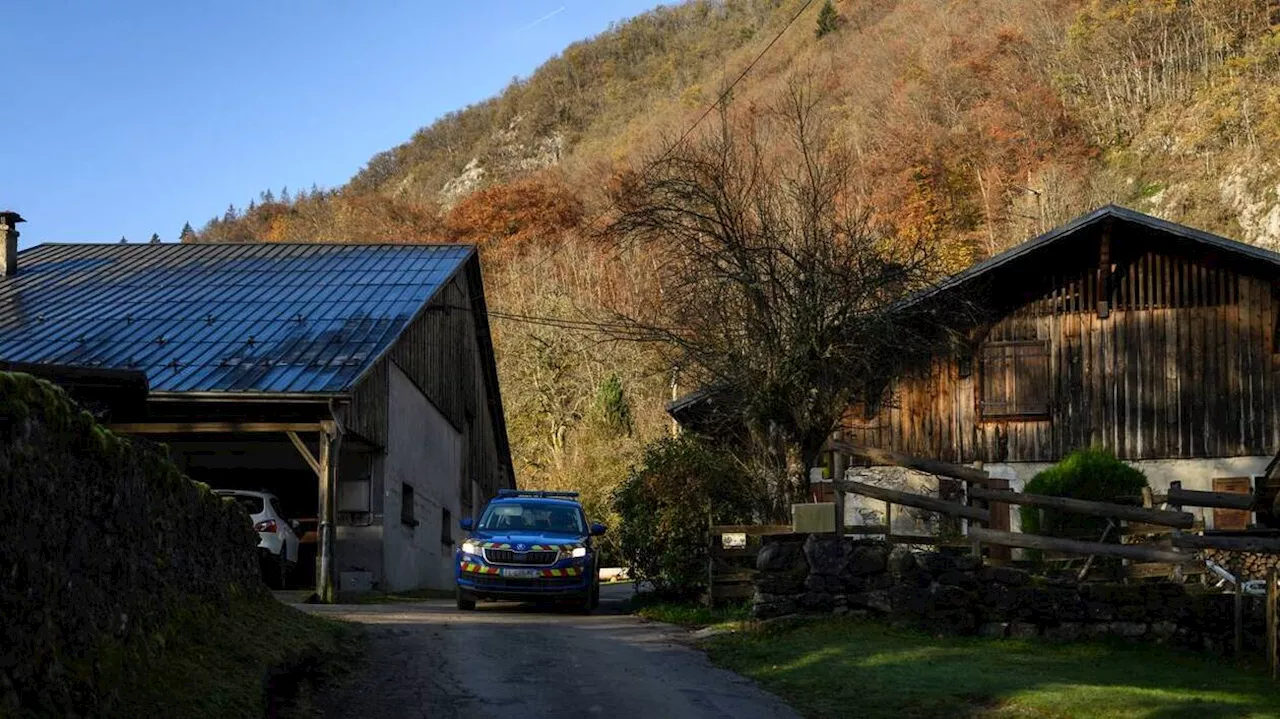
column 735, row 552
column 1233, row 519
column 1136, row 552
column 866, row 529
column 1195, row 498
column 1182, row 520
column 330, row 450
column 929, row 466
column 1148, row 570
column 745, row 575
column 919, row 501
column 732, row 591
column 1257, row 545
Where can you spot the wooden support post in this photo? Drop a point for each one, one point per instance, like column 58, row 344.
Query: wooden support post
column 330, row 446
column 999, row 522
column 711, row 557
column 1104, row 272
column 838, row 464
column 1273, row 622
column 888, row 523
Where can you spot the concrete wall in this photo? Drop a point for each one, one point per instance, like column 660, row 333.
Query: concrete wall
column 424, row 451
column 1193, row 473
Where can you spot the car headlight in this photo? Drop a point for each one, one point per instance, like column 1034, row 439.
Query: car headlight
column 573, row 552
column 470, row 547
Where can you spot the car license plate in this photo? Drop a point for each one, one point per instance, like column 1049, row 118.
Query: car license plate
column 519, row 573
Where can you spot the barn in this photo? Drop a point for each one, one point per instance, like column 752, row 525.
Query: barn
column 355, row 382
column 1153, row 340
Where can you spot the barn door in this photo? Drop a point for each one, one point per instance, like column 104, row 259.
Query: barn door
column 1231, row 519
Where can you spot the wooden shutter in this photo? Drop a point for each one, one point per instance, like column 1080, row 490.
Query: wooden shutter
column 1015, row 380
column 1236, row 520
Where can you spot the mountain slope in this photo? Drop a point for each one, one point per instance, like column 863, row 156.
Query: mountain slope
column 974, row 123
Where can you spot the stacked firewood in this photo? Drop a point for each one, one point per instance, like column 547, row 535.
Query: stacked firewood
column 1248, row 565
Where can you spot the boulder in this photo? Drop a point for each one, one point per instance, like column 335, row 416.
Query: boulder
column 779, row 584
column 968, row 563
column 868, row 560
column 817, row 601
column 780, row 557
column 1163, row 631
column 936, row 563
column 901, row 561
column 946, row 596
column 960, row 579
column 827, row 555
column 1099, row 611
column 767, row 610
column 879, row 601
column 1004, row 575
column 823, row 583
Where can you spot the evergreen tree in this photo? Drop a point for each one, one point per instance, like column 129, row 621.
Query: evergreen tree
column 284, row 194
column 230, row 214
column 187, row 234
column 155, row 238
column 123, row 241
column 615, row 408
column 828, row 19
column 268, row 197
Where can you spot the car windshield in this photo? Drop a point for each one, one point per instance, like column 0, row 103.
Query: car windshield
column 532, row 517
column 251, row 504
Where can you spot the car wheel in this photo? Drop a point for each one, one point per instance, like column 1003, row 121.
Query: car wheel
column 466, row 602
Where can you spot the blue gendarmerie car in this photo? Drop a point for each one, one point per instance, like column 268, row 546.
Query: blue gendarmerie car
column 530, row 546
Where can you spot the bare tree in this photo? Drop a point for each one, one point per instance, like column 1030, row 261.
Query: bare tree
column 775, row 290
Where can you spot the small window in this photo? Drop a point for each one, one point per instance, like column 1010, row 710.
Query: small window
column 446, row 527
column 1015, row 380
column 406, row 506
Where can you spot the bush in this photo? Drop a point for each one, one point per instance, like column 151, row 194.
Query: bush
column 1091, row 474
column 663, row 507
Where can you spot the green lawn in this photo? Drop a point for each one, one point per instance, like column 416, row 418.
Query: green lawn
column 859, row 668
column 217, row 663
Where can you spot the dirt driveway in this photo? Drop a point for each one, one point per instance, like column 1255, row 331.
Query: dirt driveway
column 507, row 660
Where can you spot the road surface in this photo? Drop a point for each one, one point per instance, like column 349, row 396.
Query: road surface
column 509, row 660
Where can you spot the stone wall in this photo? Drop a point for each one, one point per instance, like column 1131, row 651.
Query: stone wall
column 955, row 593
column 102, row 543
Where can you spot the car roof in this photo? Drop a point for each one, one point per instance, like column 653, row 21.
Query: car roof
column 538, row 500
column 244, row 492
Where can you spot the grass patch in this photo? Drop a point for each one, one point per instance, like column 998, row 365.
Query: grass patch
column 687, row 614
column 852, row 667
column 219, row 663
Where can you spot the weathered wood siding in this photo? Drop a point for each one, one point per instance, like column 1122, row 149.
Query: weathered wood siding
column 1181, row 366
column 440, row 352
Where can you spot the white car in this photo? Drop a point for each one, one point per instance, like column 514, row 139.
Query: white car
column 276, row 539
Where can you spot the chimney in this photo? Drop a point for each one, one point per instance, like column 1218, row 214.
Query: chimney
column 9, row 251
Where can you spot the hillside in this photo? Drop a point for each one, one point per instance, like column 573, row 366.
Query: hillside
column 974, row 123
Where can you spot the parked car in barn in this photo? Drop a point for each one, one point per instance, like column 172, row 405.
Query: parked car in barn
column 277, row 539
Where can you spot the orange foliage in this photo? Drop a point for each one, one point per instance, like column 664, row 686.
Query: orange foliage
column 510, row 217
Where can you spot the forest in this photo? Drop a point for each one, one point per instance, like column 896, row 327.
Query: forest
column 970, row 125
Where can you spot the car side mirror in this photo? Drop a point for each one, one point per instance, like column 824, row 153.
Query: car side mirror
column 598, row 529
column 466, row 523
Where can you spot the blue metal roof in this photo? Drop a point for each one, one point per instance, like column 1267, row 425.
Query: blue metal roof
column 233, row 318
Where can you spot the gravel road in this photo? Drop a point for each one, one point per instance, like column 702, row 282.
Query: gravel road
column 508, row 660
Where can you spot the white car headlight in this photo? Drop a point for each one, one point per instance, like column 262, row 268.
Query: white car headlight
column 579, row 552
column 470, row 547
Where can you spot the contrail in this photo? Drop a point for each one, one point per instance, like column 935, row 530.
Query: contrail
column 542, row 19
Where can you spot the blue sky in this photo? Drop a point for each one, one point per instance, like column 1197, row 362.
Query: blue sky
column 133, row 116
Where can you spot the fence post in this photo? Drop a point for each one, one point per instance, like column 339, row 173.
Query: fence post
column 1273, row 596
column 711, row 558
column 1239, row 638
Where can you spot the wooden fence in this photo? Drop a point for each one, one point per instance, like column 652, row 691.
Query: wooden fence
column 731, row 571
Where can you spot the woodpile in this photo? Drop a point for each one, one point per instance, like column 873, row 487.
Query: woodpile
column 1247, row 565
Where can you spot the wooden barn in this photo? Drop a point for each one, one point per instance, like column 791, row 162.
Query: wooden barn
column 1153, row 340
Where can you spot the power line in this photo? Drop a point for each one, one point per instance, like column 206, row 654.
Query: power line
column 719, row 100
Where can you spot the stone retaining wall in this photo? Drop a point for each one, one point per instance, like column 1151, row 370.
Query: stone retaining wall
column 956, row 594
column 102, row 542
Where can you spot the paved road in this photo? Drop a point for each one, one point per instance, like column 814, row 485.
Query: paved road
column 508, row 660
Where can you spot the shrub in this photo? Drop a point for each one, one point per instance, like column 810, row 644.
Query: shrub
column 1091, row 474
column 663, row 506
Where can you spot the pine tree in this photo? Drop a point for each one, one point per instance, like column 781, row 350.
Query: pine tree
column 828, row 19
column 155, row 238
column 123, row 241
column 615, row 408
column 187, row 234
column 230, row 215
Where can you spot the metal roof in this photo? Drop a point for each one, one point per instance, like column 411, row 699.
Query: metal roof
column 1095, row 217
column 222, row 318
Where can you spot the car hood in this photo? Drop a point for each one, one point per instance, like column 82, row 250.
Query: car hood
column 529, row 539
